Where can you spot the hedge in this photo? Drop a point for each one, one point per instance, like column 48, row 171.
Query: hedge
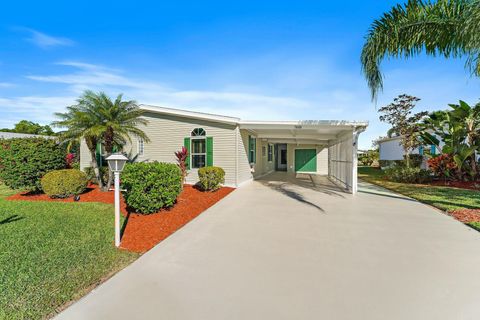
column 151, row 186
column 24, row 161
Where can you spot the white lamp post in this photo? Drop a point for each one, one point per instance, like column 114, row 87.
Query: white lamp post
column 116, row 162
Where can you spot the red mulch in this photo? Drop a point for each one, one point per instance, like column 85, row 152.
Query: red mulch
column 466, row 215
column 472, row 185
column 143, row 232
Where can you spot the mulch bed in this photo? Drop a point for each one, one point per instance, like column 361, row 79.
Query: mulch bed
column 472, row 185
column 466, row 215
column 143, row 232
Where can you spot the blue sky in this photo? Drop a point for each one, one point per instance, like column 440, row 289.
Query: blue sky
column 256, row 60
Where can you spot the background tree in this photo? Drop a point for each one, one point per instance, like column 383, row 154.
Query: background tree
column 400, row 115
column 25, row 126
column 97, row 119
column 450, row 28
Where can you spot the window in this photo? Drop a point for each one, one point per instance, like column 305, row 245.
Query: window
column 252, row 145
column 140, row 147
column 264, row 151
column 198, row 148
column 270, row 153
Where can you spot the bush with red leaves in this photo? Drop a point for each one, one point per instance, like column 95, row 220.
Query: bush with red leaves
column 442, row 166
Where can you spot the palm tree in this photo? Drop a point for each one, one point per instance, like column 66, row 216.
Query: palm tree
column 449, row 28
column 96, row 118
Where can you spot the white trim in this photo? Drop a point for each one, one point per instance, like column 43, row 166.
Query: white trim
column 256, row 124
column 192, row 138
column 141, row 142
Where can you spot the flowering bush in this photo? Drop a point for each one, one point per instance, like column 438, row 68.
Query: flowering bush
column 442, row 166
column 70, row 159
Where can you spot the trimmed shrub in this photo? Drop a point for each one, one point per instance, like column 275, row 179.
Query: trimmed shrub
column 211, row 178
column 408, row 175
column 91, row 175
column 151, row 186
column 24, row 161
column 64, row 183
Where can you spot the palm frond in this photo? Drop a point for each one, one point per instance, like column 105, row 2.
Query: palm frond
column 436, row 28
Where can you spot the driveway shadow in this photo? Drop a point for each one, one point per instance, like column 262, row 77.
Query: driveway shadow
column 286, row 183
column 308, row 181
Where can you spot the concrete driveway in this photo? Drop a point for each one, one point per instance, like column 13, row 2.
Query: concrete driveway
column 286, row 248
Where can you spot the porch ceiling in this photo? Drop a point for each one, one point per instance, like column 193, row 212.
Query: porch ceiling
column 305, row 132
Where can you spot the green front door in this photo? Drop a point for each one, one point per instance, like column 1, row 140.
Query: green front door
column 305, row 160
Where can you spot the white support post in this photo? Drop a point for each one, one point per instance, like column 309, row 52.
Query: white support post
column 117, row 208
column 356, row 133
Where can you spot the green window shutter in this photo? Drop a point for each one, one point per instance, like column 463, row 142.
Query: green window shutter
column 186, row 144
column 254, row 150
column 209, row 142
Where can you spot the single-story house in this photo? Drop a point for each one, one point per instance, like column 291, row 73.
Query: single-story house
column 390, row 149
column 247, row 150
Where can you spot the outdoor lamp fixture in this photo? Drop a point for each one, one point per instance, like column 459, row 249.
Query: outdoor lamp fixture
column 116, row 162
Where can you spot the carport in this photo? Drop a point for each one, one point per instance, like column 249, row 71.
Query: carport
column 325, row 147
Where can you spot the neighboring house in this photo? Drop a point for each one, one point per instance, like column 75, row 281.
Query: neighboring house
column 390, row 149
column 248, row 149
column 10, row 135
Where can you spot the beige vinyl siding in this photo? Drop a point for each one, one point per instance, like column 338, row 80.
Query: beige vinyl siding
column 263, row 166
column 167, row 133
column 85, row 158
column 244, row 172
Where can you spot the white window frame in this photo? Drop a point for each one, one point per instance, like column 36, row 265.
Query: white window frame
column 141, row 147
column 192, row 138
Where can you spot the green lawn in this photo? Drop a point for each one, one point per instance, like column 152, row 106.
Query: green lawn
column 52, row 253
column 444, row 198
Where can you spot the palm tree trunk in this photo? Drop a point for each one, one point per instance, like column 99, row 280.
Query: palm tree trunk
column 96, row 169
column 108, row 139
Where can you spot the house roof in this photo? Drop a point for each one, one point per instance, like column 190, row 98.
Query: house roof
column 10, row 135
column 252, row 123
column 190, row 114
column 304, row 131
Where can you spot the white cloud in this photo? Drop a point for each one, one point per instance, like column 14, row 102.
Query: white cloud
column 113, row 81
column 46, row 41
column 6, row 85
column 36, row 108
